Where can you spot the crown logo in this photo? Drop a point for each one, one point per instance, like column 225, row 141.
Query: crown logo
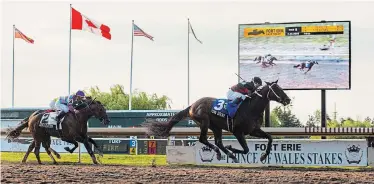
column 206, row 149
column 206, row 154
column 354, row 149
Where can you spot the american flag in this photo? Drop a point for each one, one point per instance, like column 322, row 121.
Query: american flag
column 140, row 32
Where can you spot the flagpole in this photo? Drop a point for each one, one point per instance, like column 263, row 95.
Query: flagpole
column 69, row 52
column 132, row 43
column 13, row 68
column 188, row 64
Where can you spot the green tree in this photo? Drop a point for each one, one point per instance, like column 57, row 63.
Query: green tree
column 348, row 122
column 274, row 120
column 117, row 99
column 286, row 118
column 315, row 119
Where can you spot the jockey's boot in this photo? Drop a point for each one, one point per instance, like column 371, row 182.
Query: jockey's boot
column 58, row 118
column 237, row 101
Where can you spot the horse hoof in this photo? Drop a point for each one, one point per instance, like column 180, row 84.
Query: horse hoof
column 228, row 147
column 58, row 156
column 235, row 160
column 67, row 149
column 263, row 157
column 219, row 156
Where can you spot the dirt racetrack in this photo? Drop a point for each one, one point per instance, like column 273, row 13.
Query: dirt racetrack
column 33, row 173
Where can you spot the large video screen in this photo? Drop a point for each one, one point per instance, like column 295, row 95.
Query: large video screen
column 300, row 55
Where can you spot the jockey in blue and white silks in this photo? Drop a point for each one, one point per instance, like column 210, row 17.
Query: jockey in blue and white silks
column 64, row 103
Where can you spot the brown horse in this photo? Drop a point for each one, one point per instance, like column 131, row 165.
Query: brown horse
column 247, row 120
column 47, row 141
column 74, row 128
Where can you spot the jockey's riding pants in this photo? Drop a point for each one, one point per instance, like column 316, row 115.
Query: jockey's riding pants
column 62, row 107
column 232, row 95
column 52, row 104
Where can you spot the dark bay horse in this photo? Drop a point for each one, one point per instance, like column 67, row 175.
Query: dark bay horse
column 309, row 65
column 47, row 141
column 74, row 128
column 245, row 122
column 271, row 60
column 265, row 61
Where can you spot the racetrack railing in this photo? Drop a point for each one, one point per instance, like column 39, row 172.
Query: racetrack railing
column 275, row 131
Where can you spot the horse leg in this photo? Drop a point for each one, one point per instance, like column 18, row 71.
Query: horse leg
column 307, row 70
column 261, row 134
column 46, row 147
column 204, row 139
column 31, row 147
column 240, row 137
column 72, row 142
column 37, row 150
column 89, row 150
column 218, row 140
column 96, row 146
column 52, row 150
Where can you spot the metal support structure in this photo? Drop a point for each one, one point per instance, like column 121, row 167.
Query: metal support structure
column 79, row 153
column 323, row 110
column 13, row 69
column 132, row 52
column 267, row 115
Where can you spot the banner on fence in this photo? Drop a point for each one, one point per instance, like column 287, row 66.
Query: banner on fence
column 292, row 153
column 22, row 144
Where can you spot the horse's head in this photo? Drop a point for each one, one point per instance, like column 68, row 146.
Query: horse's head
column 98, row 110
column 276, row 93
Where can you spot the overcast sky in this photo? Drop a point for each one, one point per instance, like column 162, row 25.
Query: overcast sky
column 41, row 70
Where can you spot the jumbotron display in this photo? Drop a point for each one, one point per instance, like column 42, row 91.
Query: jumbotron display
column 300, row 55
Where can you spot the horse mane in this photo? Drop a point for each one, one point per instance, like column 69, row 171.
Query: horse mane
column 254, row 98
column 97, row 101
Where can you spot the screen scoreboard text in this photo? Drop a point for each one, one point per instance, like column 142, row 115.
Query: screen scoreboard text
column 293, row 31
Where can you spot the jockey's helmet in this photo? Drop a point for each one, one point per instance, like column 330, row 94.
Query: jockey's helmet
column 257, row 81
column 80, row 93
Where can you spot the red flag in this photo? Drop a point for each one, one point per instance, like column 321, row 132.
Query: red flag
column 19, row 34
column 82, row 22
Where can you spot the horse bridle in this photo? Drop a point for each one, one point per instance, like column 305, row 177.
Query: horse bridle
column 270, row 87
column 267, row 96
column 88, row 106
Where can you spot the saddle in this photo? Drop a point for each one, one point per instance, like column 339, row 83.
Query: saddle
column 225, row 109
column 50, row 123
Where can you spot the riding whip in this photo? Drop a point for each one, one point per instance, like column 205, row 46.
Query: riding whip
column 240, row 77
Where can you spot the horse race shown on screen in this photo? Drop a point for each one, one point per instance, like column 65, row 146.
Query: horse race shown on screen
column 302, row 55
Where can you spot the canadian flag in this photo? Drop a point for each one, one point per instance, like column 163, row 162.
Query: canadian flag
column 82, row 22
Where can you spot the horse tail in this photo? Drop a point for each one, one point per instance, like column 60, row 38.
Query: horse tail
column 16, row 132
column 163, row 129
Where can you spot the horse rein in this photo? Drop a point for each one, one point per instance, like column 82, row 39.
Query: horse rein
column 88, row 106
column 270, row 89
